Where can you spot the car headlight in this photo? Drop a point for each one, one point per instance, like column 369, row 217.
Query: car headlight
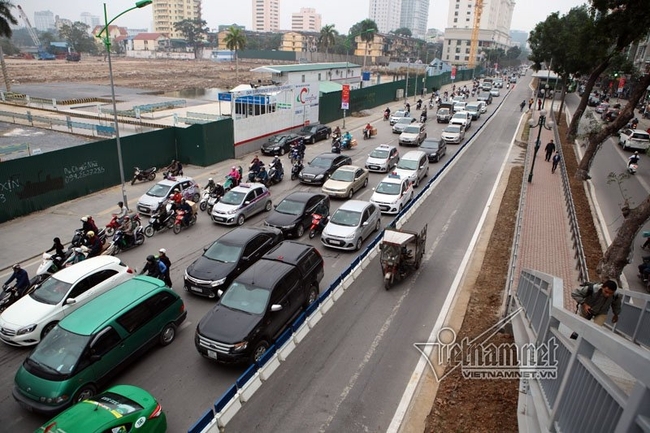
column 289, row 227
column 217, row 282
column 238, row 347
column 276, row 148
column 320, row 176
column 26, row 330
column 232, row 211
column 350, row 236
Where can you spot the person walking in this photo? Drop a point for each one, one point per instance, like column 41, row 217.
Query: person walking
column 556, row 161
column 522, row 105
column 539, row 104
column 550, row 148
column 530, row 104
column 595, row 300
column 162, row 256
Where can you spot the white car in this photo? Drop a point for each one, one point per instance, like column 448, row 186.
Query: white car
column 149, row 202
column 462, row 118
column 413, row 165
column 392, row 194
column 351, row 224
column 27, row 321
column 482, row 106
column 495, row 92
column 398, row 115
column 383, row 158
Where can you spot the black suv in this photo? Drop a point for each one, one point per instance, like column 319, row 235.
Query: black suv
column 260, row 304
column 293, row 214
column 227, row 257
column 313, row 133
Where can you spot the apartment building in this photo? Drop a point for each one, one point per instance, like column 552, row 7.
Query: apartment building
column 266, row 15
column 307, row 20
column 43, row 20
column 168, row 12
column 386, row 13
column 414, row 16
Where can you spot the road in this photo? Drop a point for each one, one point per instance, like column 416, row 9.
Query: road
column 352, row 369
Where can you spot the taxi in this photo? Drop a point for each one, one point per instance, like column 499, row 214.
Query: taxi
column 383, row 158
column 393, row 193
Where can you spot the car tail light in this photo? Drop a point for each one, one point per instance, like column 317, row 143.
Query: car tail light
column 50, row 428
column 156, row 412
column 130, row 271
column 182, row 307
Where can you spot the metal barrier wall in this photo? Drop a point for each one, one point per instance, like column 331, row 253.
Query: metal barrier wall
column 602, row 381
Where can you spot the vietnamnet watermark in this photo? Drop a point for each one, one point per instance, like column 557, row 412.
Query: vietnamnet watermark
column 479, row 358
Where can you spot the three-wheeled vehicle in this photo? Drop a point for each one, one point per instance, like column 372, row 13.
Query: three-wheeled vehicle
column 401, row 253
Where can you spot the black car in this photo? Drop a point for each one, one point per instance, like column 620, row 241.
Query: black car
column 280, row 144
column 293, row 214
column 434, row 148
column 260, row 304
column 227, row 257
column 313, row 133
column 485, row 96
column 321, row 167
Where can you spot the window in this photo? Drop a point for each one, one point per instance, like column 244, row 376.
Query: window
column 254, row 245
column 107, row 339
column 142, row 313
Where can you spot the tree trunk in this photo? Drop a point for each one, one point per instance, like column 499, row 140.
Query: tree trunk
column 577, row 115
column 560, row 117
column 597, row 140
column 236, row 68
column 5, row 75
column 617, row 255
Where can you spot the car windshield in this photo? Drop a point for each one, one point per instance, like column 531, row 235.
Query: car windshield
column 51, row 291
column 308, row 130
column 454, row 129
column 430, row 144
column 389, row 188
column 400, row 113
column 412, row 130
column 379, row 153
column 407, row 164
column 222, row 252
column 118, row 404
column 346, row 218
column 343, row 175
column 405, row 120
column 443, row 111
column 290, row 207
column 233, row 197
column 460, row 116
column 249, row 299
column 472, row 107
column 277, row 139
column 59, row 351
column 159, row 190
column 321, row 162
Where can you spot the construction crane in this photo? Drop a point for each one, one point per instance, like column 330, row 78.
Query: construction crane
column 473, row 46
column 42, row 54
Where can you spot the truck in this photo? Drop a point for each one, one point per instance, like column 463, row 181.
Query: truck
column 443, row 115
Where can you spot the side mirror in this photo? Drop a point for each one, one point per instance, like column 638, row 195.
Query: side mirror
column 275, row 206
column 276, row 307
column 247, row 202
column 365, row 223
column 70, row 301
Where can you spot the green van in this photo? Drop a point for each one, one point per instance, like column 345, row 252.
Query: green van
column 88, row 347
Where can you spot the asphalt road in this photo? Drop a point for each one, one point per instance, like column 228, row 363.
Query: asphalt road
column 352, row 369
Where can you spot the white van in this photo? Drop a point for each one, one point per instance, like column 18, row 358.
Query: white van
column 414, row 165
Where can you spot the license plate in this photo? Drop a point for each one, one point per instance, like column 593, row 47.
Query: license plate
column 335, row 242
column 196, row 289
column 373, row 167
column 212, row 354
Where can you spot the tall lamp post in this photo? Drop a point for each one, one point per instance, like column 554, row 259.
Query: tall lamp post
column 106, row 40
column 541, row 123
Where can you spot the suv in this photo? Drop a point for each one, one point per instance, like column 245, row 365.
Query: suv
column 227, row 257
column 462, row 118
column 634, row 139
column 485, row 96
column 413, row 135
column 443, row 115
column 313, row 133
column 383, row 158
column 161, row 191
column 240, row 203
column 414, row 165
column 260, row 304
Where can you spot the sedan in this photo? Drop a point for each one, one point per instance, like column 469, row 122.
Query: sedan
column 281, row 144
column 435, row 149
column 240, row 203
column 401, row 123
column 294, row 213
column 313, row 133
column 345, row 181
column 227, row 257
column 398, row 115
column 321, row 168
column 495, row 92
column 453, row 134
column 351, row 224
column 120, row 408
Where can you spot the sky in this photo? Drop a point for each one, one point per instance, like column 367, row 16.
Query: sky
column 342, row 13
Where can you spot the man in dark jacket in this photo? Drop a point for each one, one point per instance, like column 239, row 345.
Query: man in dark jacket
column 595, row 300
column 154, row 268
column 162, row 256
column 550, row 148
column 22, row 280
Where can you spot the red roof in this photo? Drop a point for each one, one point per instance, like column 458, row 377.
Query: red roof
column 148, row 36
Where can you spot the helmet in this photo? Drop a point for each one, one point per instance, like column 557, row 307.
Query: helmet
column 56, row 240
column 233, row 168
column 16, row 266
column 177, row 190
column 84, row 219
column 636, row 152
column 150, row 258
column 78, row 250
column 90, row 234
column 162, row 251
column 210, row 180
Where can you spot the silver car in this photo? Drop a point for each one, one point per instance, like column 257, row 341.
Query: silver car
column 351, row 224
column 401, row 123
column 240, row 203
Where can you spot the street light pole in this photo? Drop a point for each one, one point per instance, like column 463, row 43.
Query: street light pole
column 541, row 123
column 107, row 43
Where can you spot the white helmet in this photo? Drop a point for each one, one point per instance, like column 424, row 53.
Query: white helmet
column 84, row 219
column 162, row 251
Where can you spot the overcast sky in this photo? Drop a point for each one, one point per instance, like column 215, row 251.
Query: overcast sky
column 342, row 13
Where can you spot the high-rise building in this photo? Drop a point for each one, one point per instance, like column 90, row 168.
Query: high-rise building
column 168, row 12
column 494, row 29
column 414, row 15
column 89, row 19
column 306, row 20
column 386, row 13
column 44, row 20
column 266, row 15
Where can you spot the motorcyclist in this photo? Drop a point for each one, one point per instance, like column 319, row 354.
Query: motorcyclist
column 279, row 170
column 154, row 268
column 88, row 225
column 347, row 139
column 59, row 252
column 124, row 211
column 256, row 164
column 234, row 174
column 423, row 115
column 175, row 168
column 210, row 186
column 22, row 280
column 418, row 104
column 94, row 245
column 633, row 159
column 367, row 130
column 187, row 216
column 77, row 256
column 127, row 230
column 262, row 176
column 386, row 113
column 176, row 198
column 336, row 132
column 162, row 257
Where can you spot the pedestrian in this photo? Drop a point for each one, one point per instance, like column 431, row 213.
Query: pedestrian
column 408, row 107
column 556, row 161
column 522, row 105
column 162, row 256
column 595, row 299
column 422, row 92
column 530, row 104
column 539, row 104
column 550, row 148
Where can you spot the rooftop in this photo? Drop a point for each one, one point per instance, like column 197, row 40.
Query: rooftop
column 304, row 67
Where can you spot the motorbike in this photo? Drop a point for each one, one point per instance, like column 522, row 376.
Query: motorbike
column 211, row 197
column 79, row 237
column 254, row 171
column 367, row 133
column 632, row 168
column 122, row 242
column 231, row 182
column 296, row 155
column 114, row 224
column 347, row 143
column 275, row 174
column 386, row 115
column 10, row 295
column 144, row 175
column 178, row 221
column 401, row 253
column 158, row 222
column 49, row 266
column 336, row 145
column 318, row 223
column 423, row 118
column 296, row 168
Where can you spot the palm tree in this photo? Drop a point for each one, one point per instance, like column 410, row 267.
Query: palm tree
column 368, row 30
column 327, row 37
column 235, row 40
column 5, row 30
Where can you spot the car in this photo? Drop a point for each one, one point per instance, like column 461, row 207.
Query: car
column 434, row 148
column 513, row 79
column 443, row 115
column 319, row 169
column 485, row 96
column 383, row 158
column 628, row 138
column 240, row 203
column 294, row 213
column 313, row 133
column 415, row 165
column 461, row 118
column 495, row 92
column 459, row 106
column 454, row 134
column 398, row 115
column 486, row 87
column 602, row 107
column 482, row 106
column 611, row 114
column 474, row 109
column 117, row 409
column 351, row 224
column 498, row 83
column 28, row 320
column 413, row 135
column 227, row 257
column 345, row 181
column 402, row 123
column 392, row 193
column 281, row 144
column 150, row 200
column 261, row 304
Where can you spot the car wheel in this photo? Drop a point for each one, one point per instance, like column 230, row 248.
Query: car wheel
column 258, row 351
column 378, row 225
column 300, row 230
column 282, row 151
column 365, row 183
column 168, row 334
column 312, row 296
column 196, row 197
column 268, row 206
column 351, row 193
column 47, row 329
column 240, row 220
column 84, row 393
column 358, row 245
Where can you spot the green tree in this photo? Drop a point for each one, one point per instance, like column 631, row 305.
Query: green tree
column 194, row 32
column 235, row 41
column 365, row 29
column 78, row 37
column 6, row 18
column 513, row 53
column 402, row 31
column 327, row 37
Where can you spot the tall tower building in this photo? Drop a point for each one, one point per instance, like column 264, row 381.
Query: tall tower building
column 414, row 16
column 386, row 13
column 44, row 20
column 168, row 12
column 494, row 29
column 266, row 15
column 306, row 20
column 89, row 19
